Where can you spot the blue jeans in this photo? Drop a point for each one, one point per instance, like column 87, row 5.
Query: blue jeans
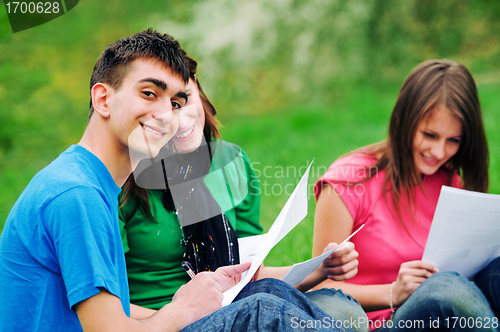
column 446, row 302
column 268, row 305
column 342, row 306
column 488, row 281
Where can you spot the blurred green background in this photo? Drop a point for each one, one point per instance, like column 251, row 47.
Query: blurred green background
column 291, row 80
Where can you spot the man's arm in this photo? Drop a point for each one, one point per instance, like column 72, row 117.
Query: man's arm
column 197, row 299
column 104, row 312
column 139, row 312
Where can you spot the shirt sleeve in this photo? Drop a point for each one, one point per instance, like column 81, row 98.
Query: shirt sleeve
column 346, row 176
column 85, row 243
column 248, row 211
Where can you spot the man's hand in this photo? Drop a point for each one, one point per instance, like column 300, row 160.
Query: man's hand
column 343, row 263
column 198, row 298
column 203, row 294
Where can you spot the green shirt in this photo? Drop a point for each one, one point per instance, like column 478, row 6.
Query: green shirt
column 154, row 249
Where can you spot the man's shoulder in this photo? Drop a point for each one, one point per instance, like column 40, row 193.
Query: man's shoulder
column 69, row 174
column 68, row 170
column 60, row 189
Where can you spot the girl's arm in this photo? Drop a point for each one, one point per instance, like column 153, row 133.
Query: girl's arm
column 342, row 264
column 333, row 221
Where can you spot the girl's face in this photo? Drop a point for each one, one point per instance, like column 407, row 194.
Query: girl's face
column 437, row 139
column 191, row 121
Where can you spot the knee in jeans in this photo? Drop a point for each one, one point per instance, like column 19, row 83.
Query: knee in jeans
column 449, row 289
column 264, row 297
column 271, row 284
column 490, row 274
column 264, row 300
column 268, row 282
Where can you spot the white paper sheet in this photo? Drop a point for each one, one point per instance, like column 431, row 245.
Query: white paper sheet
column 300, row 271
column 465, row 231
column 256, row 248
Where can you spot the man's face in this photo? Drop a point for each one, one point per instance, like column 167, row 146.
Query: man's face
column 144, row 111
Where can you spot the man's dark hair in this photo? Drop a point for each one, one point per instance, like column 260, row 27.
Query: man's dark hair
column 114, row 63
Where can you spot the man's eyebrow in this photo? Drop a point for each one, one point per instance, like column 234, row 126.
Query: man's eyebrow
column 182, row 94
column 162, row 85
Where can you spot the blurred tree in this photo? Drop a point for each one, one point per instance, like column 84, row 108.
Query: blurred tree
column 265, row 54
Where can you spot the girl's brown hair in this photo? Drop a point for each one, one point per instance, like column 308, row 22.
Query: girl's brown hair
column 210, row 131
column 433, row 83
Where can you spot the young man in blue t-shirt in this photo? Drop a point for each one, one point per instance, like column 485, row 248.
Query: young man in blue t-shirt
column 62, row 266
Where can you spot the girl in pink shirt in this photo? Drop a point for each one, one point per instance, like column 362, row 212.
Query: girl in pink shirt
column 436, row 137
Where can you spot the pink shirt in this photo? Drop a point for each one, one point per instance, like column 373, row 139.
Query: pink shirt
column 383, row 244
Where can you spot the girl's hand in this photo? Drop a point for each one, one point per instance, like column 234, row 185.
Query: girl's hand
column 343, row 263
column 410, row 276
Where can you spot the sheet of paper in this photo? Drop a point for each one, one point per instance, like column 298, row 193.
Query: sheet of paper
column 293, row 212
column 256, row 248
column 300, row 271
column 465, row 231
column 251, row 245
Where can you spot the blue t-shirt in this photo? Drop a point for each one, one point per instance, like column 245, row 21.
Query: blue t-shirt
column 60, row 245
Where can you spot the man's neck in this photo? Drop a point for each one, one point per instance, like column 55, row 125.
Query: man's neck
column 115, row 157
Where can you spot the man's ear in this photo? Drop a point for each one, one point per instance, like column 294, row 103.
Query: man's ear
column 101, row 93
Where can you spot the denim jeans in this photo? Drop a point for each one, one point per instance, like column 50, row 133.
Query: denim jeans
column 445, row 302
column 342, row 306
column 268, row 305
column 488, row 281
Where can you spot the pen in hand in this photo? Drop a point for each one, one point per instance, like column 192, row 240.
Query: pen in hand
column 189, row 270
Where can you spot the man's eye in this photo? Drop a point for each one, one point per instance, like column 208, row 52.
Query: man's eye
column 149, row 94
